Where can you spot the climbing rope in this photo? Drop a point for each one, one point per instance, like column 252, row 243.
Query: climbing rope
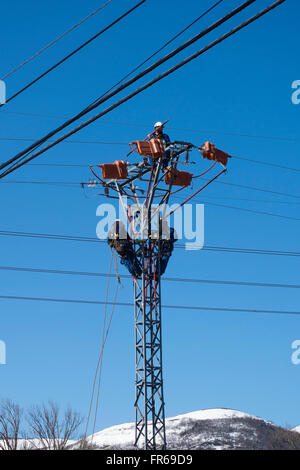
column 105, row 332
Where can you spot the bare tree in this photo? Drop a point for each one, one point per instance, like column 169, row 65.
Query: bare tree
column 50, row 428
column 85, row 444
column 10, row 420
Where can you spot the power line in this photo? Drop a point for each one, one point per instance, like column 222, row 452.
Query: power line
column 106, row 97
column 161, row 48
column 177, row 245
column 255, row 188
column 169, row 279
column 19, row 113
column 146, row 126
column 258, row 162
column 144, row 87
column 51, row 183
column 236, row 134
column 80, row 183
column 55, row 40
column 57, row 64
column 128, row 304
column 263, row 201
column 94, row 142
column 61, row 164
column 251, row 251
column 252, row 211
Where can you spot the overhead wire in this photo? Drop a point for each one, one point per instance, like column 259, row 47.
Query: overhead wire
column 251, row 211
column 69, row 183
column 67, row 141
column 256, row 188
column 80, row 183
column 262, row 201
column 241, row 209
column 104, row 98
column 64, row 59
column 201, row 308
column 118, row 90
column 260, row 162
column 164, row 278
column 161, row 48
column 86, row 239
column 251, row 160
column 201, row 201
column 132, row 71
column 148, row 84
column 172, row 307
column 123, row 123
column 36, row 54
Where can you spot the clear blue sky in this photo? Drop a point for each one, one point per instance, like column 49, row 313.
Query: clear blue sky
column 239, row 96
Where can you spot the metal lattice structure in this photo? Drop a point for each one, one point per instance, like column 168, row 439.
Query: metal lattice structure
column 147, row 244
column 149, row 402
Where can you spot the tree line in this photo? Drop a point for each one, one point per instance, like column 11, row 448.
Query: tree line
column 43, row 427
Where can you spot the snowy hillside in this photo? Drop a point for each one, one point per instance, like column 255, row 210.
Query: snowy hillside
column 215, row 429
column 206, row 429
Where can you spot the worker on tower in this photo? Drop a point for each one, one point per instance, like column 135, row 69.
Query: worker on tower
column 119, row 239
column 165, row 139
column 168, row 238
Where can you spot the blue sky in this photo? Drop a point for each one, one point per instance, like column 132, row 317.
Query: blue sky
column 237, row 95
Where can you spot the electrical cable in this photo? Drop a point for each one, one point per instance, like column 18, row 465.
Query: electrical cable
column 55, row 41
column 178, row 245
column 161, row 48
column 168, row 279
column 144, row 87
column 57, row 64
column 71, row 183
column 125, row 85
column 258, row 162
column 172, row 307
column 251, row 211
column 255, row 188
column 67, row 141
column 198, row 131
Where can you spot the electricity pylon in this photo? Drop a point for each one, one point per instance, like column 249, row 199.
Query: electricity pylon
column 148, row 248
column 149, row 398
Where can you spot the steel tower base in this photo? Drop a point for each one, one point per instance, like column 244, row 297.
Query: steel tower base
column 150, row 432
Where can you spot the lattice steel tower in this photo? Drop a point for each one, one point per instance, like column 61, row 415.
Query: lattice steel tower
column 145, row 253
column 149, row 402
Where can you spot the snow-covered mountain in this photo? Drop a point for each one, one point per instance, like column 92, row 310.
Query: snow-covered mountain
column 218, row 428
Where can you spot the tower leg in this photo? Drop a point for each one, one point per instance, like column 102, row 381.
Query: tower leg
column 149, row 401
